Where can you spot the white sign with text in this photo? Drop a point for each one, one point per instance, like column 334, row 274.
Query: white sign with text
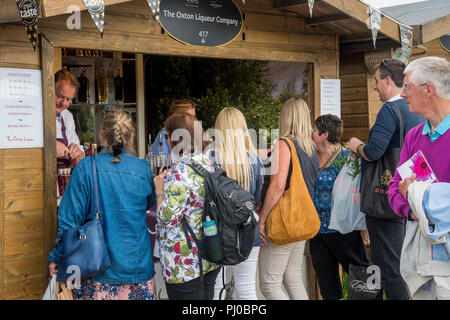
column 21, row 116
column 330, row 96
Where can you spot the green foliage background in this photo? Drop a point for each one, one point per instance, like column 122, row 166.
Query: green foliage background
column 214, row 84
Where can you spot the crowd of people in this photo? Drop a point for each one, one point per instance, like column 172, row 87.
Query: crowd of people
column 416, row 103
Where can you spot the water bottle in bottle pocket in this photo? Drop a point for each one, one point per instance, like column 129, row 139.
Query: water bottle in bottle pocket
column 213, row 244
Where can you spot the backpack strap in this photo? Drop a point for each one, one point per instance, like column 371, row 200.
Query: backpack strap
column 188, row 230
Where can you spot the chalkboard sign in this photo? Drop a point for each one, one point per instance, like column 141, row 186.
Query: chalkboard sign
column 201, row 22
column 445, row 42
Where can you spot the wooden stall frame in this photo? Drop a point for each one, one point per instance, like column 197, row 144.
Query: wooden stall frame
column 52, row 40
column 48, row 97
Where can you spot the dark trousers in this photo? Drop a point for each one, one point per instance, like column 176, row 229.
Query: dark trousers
column 328, row 250
column 195, row 289
column 386, row 240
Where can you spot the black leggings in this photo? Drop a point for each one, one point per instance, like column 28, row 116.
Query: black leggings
column 194, row 289
column 328, row 250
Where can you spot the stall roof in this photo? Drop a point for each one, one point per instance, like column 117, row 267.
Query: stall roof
column 347, row 18
column 430, row 19
column 419, row 12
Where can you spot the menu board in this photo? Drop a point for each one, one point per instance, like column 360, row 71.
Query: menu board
column 330, row 96
column 21, row 118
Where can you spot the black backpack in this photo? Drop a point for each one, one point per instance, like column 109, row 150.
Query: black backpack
column 232, row 208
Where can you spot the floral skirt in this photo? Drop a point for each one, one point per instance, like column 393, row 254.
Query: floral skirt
column 91, row 290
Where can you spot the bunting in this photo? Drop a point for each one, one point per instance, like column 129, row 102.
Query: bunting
column 310, row 5
column 405, row 35
column 376, row 18
column 28, row 12
column 154, row 6
column 403, row 54
column 97, row 10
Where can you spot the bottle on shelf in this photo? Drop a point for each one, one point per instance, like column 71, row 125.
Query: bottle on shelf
column 102, row 85
column 83, row 90
column 118, row 86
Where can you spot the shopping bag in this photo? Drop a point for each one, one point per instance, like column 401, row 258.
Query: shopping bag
column 345, row 214
column 50, row 293
column 62, row 292
column 363, row 283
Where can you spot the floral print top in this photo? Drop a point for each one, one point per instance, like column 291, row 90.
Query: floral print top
column 323, row 191
column 184, row 195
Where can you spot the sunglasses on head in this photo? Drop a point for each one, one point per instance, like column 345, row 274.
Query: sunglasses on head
column 123, row 110
column 384, row 64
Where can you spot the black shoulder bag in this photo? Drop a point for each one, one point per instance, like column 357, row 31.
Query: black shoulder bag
column 376, row 178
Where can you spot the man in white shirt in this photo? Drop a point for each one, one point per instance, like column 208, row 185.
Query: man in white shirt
column 68, row 149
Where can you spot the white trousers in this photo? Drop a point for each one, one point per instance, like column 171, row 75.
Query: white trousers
column 244, row 275
column 282, row 265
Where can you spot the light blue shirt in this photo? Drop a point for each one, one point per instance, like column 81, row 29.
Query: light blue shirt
column 156, row 146
column 439, row 131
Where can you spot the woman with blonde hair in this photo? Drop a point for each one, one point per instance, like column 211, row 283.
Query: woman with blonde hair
column 126, row 191
column 234, row 152
column 283, row 264
column 160, row 144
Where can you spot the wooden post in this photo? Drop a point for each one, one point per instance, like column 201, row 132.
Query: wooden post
column 140, row 105
column 48, row 96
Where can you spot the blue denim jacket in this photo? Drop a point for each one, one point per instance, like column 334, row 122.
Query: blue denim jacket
column 126, row 191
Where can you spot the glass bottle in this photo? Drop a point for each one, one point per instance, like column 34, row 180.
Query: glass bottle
column 102, row 85
column 83, row 90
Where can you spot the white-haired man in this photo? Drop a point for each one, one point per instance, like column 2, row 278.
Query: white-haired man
column 426, row 89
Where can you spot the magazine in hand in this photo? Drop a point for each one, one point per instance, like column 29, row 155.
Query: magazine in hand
column 417, row 164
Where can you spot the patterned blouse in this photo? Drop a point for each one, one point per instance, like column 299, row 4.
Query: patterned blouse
column 184, row 194
column 323, row 190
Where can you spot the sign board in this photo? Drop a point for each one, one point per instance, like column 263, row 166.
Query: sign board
column 21, row 118
column 201, row 22
column 330, row 96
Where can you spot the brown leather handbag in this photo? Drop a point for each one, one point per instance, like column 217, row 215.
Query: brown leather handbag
column 294, row 218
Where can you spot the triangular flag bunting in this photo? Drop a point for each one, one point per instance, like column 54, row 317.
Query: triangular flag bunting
column 154, row 6
column 403, row 54
column 310, row 5
column 97, row 10
column 405, row 35
column 376, row 18
column 28, row 12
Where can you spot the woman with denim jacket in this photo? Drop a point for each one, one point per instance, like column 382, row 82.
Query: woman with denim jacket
column 181, row 194
column 126, row 190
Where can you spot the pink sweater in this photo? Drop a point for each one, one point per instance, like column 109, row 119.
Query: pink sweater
column 437, row 154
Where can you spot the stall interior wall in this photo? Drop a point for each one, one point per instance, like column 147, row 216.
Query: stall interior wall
column 22, row 274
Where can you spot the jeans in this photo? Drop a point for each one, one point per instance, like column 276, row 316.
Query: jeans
column 328, row 250
column 386, row 240
column 244, row 275
column 282, row 265
column 194, row 289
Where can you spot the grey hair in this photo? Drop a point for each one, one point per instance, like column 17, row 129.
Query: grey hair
column 431, row 69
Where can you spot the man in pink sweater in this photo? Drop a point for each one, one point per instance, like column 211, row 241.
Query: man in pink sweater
column 426, row 89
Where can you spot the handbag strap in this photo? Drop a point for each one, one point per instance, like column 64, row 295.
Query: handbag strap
column 401, row 124
column 336, row 151
column 95, row 179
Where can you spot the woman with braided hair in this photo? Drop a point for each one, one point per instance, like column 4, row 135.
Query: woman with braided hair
column 126, row 190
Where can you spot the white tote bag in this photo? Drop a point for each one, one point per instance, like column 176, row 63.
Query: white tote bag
column 345, row 215
column 50, row 293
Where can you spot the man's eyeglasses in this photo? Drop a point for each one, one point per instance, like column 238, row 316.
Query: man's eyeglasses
column 60, row 96
column 406, row 88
